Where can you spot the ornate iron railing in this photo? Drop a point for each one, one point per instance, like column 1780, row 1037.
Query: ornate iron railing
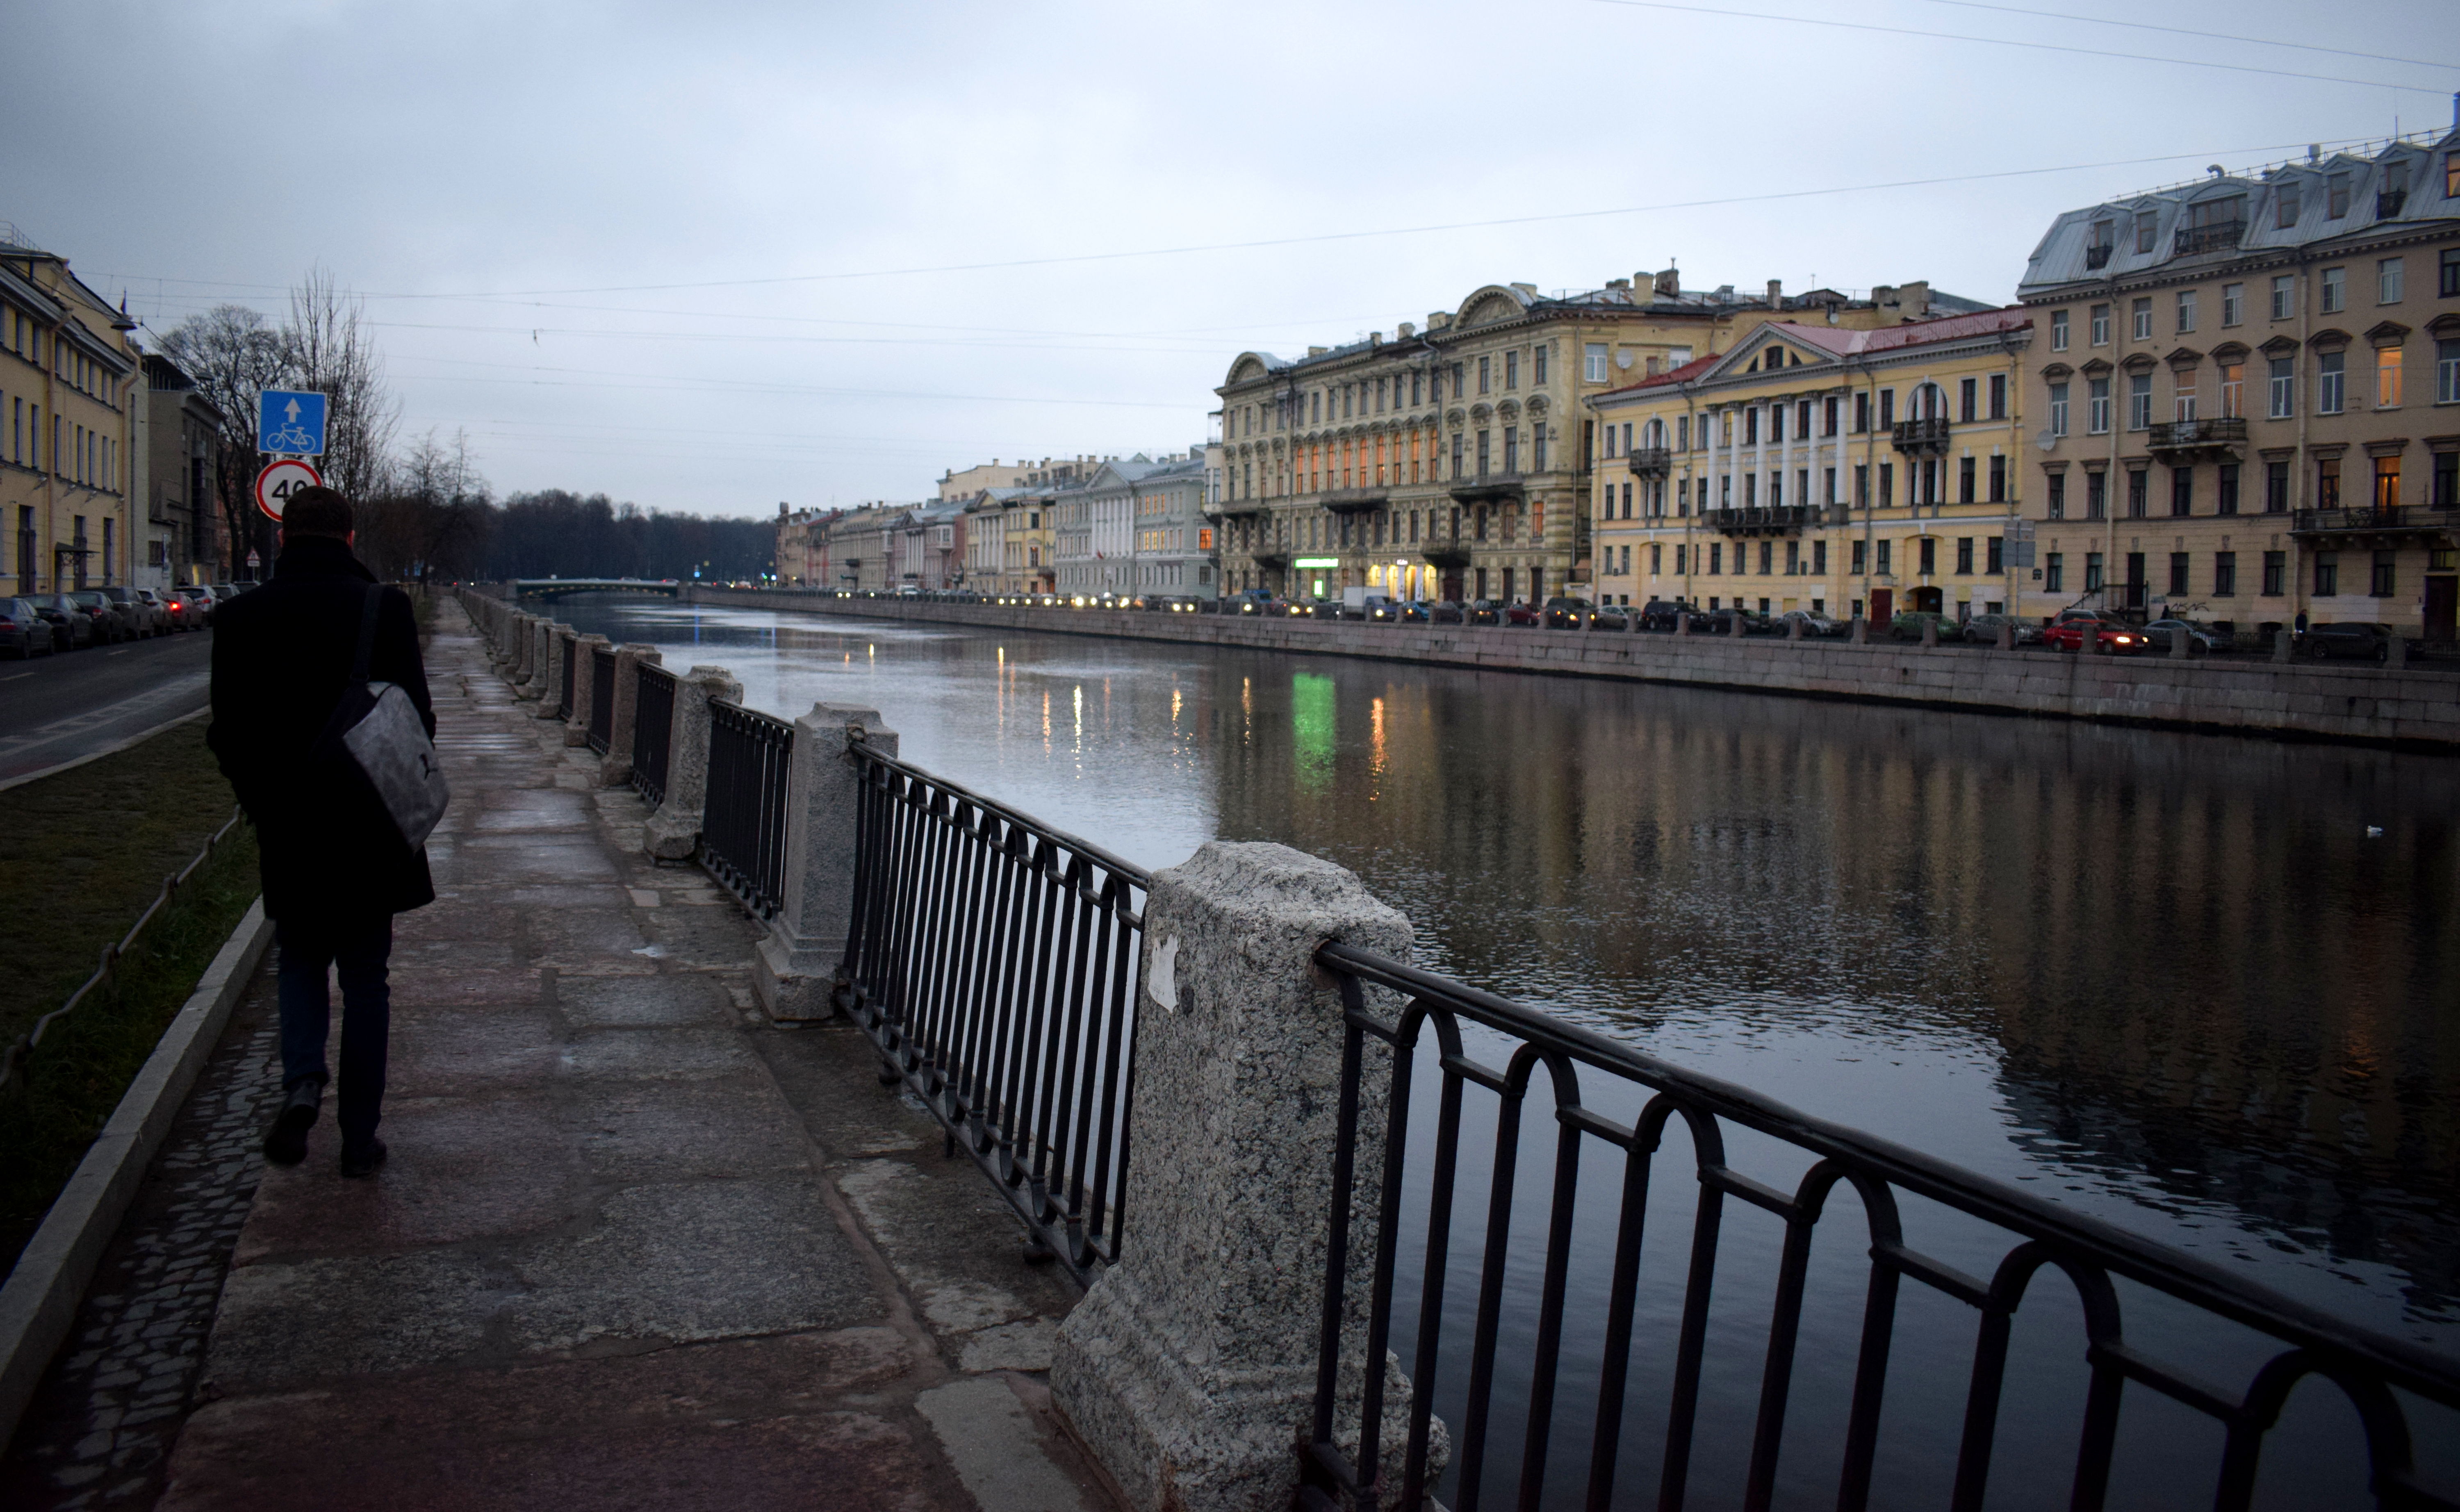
column 743, row 811
column 653, row 723
column 1611, row 1106
column 601, row 698
column 992, row 963
column 570, row 663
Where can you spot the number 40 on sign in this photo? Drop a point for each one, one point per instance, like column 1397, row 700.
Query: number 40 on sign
column 281, row 479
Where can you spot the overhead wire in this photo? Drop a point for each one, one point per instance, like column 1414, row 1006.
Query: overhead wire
column 2179, row 31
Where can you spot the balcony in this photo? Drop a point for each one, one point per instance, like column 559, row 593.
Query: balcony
column 2389, row 202
column 1350, row 500
column 2097, row 257
column 1446, row 555
column 2395, row 521
column 2193, row 441
column 1491, row 486
column 1779, row 519
column 2220, row 237
column 1649, row 461
column 1924, row 437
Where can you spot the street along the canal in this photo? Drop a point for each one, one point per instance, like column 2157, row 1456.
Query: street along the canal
column 2201, row 987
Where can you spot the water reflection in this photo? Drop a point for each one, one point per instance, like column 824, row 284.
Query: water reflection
column 2168, row 978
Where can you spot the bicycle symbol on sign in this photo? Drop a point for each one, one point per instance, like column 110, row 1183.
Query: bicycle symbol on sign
column 292, row 440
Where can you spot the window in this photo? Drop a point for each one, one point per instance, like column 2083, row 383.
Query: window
column 2226, row 574
column 2057, row 505
column 2389, row 281
column 2327, row 574
column 2182, row 393
column 2225, row 493
column 2283, row 387
column 1819, row 557
column 1511, row 369
column 2446, row 480
column 2092, row 572
column 2284, row 296
column 2186, row 310
column 2447, row 372
column 2387, row 377
column 2096, row 496
column 2276, row 574
column 2100, row 330
column 2327, row 483
column 2380, row 584
column 2447, row 282
column 1537, row 458
column 2335, row 291
column 1656, row 556
column 1511, row 449
column 2139, row 320
column 2138, row 489
column 2386, row 482
column 1887, row 408
column 2183, row 491
column 1538, row 364
column 2233, row 375
column 1828, row 415
column 2097, row 407
column 2331, row 378
column 2276, row 488
column 2146, row 224
column 1887, row 488
column 1484, row 452
column 1861, row 413
column 1997, row 558
column 1593, row 362
column 1861, row 559
column 2233, row 303
column 2058, row 331
column 1885, row 567
column 2058, row 409
column 1998, row 395
column 1862, row 487
column 2178, row 574
column 2054, row 576
column 1752, row 425
column 1968, row 400
column 1965, row 476
column 1964, row 556
column 1683, row 433
column 2139, row 401
column 2336, row 196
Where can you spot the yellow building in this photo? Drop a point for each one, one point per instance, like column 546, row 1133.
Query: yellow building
column 68, row 389
column 1822, row 468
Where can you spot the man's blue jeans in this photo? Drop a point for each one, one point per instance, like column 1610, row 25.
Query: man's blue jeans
column 358, row 947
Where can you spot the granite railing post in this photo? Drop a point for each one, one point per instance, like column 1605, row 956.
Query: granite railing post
column 1793, row 630
column 1738, row 623
column 1189, row 1368
column 585, row 687
column 2007, row 636
column 523, row 671
column 793, row 971
column 1860, row 632
column 674, row 831
column 2181, row 645
column 542, row 654
column 559, row 650
column 2281, row 643
column 1682, row 622
column 1930, row 635
column 2396, row 652
column 615, row 767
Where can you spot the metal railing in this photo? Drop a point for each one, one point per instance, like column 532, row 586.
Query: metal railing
column 1775, row 519
column 2216, row 431
column 1611, row 1123
column 653, row 723
column 2364, row 520
column 1927, row 433
column 1649, row 461
column 992, row 962
column 601, row 698
column 2222, row 236
column 743, row 811
column 570, row 662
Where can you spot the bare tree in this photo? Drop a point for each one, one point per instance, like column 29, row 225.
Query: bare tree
column 435, row 516
column 232, row 353
column 330, row 351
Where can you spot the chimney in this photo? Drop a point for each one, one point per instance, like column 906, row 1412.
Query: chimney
column 1916, row 297
column 1375, row 339
column 2315, row 150
column 1776, row 293
column 1668, row 284
column 1407, row 331
column 1617, row 283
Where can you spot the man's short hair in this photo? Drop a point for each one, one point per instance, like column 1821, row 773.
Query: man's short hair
column 317, row 511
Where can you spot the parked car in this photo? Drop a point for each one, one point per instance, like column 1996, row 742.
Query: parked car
column 1564, row 613
column 200, row 605
column 110, row 623
column 1486, row 611
column 1658, row 614
column 1252, row 601
column 2201, row 640
column 24, row 631
column 1982, row 630
column 2117, row 637
column 1812, row 623
column 1522, row 612
column 224, row 592
column 1398, row 612
column 176, row 615
column 1909, row 625
column 1447, row 611
column 72, row 627
column 2348, row 640
column 144, row 613
column 1722, row 622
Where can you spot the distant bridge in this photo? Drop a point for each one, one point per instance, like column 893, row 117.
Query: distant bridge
column 548, row 589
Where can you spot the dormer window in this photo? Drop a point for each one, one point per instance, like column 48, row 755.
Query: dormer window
column 2145, row 223
column 2285, row 205
column 2336, row 196
column 2395, row 190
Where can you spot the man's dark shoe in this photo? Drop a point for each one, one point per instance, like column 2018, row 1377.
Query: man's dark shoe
column 285, row 1144
column 363, row 1162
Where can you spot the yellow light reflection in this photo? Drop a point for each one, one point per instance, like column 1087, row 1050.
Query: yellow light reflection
column 1376, row 744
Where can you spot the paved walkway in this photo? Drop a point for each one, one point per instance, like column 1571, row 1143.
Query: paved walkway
column 633, row 1248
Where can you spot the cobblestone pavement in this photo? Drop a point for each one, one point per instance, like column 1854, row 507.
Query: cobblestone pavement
column 100, row 1431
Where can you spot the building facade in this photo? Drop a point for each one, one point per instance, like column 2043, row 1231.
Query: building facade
column 177, row 483
column 1822, row 468
column 1096, row 538
column 1453, row 462
column 1170, row 544
column 69, row 386
column 2248, row 393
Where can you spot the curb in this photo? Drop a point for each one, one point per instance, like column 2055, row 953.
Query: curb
column 112, row 749
column 39, row 1303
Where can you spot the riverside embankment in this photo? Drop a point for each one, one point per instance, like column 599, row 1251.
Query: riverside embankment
column 2410, row 707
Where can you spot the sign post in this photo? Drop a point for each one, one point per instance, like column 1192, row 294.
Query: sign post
column 279, row 480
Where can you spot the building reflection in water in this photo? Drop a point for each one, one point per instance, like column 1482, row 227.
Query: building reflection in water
column 2169, row 977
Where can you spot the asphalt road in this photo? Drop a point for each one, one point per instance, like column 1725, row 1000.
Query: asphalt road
column 62, row 708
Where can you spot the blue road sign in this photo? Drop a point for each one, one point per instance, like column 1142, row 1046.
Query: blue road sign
column 290, row 422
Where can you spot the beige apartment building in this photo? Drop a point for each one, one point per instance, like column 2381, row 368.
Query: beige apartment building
column 1455, row 461
column 69, row 385
column 181, row 527
column 2247, row 393
column 1813, row 466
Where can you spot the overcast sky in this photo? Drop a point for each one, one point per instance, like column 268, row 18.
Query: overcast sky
column 713, row 257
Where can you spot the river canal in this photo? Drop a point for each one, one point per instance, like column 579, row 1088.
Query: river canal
column 2202, row 987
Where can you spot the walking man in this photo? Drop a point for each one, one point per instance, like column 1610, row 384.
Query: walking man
column 335, row 867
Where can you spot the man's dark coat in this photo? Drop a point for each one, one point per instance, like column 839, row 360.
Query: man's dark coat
column 282, row 658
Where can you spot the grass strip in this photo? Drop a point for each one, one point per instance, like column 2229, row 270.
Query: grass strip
column 97, row 842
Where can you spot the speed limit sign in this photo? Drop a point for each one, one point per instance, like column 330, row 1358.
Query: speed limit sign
column 281, row 479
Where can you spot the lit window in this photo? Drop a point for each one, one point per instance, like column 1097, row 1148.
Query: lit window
column 2387, row 378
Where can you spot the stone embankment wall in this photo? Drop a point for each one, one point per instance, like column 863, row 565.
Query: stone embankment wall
column 2334, row 700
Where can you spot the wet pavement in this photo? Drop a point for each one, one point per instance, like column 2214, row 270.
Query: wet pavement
column 633, row 1246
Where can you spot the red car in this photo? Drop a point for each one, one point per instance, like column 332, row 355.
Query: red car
column 1523, row 612
column 2115, row 638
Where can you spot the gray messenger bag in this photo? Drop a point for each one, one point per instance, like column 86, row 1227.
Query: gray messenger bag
column 377, row 730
